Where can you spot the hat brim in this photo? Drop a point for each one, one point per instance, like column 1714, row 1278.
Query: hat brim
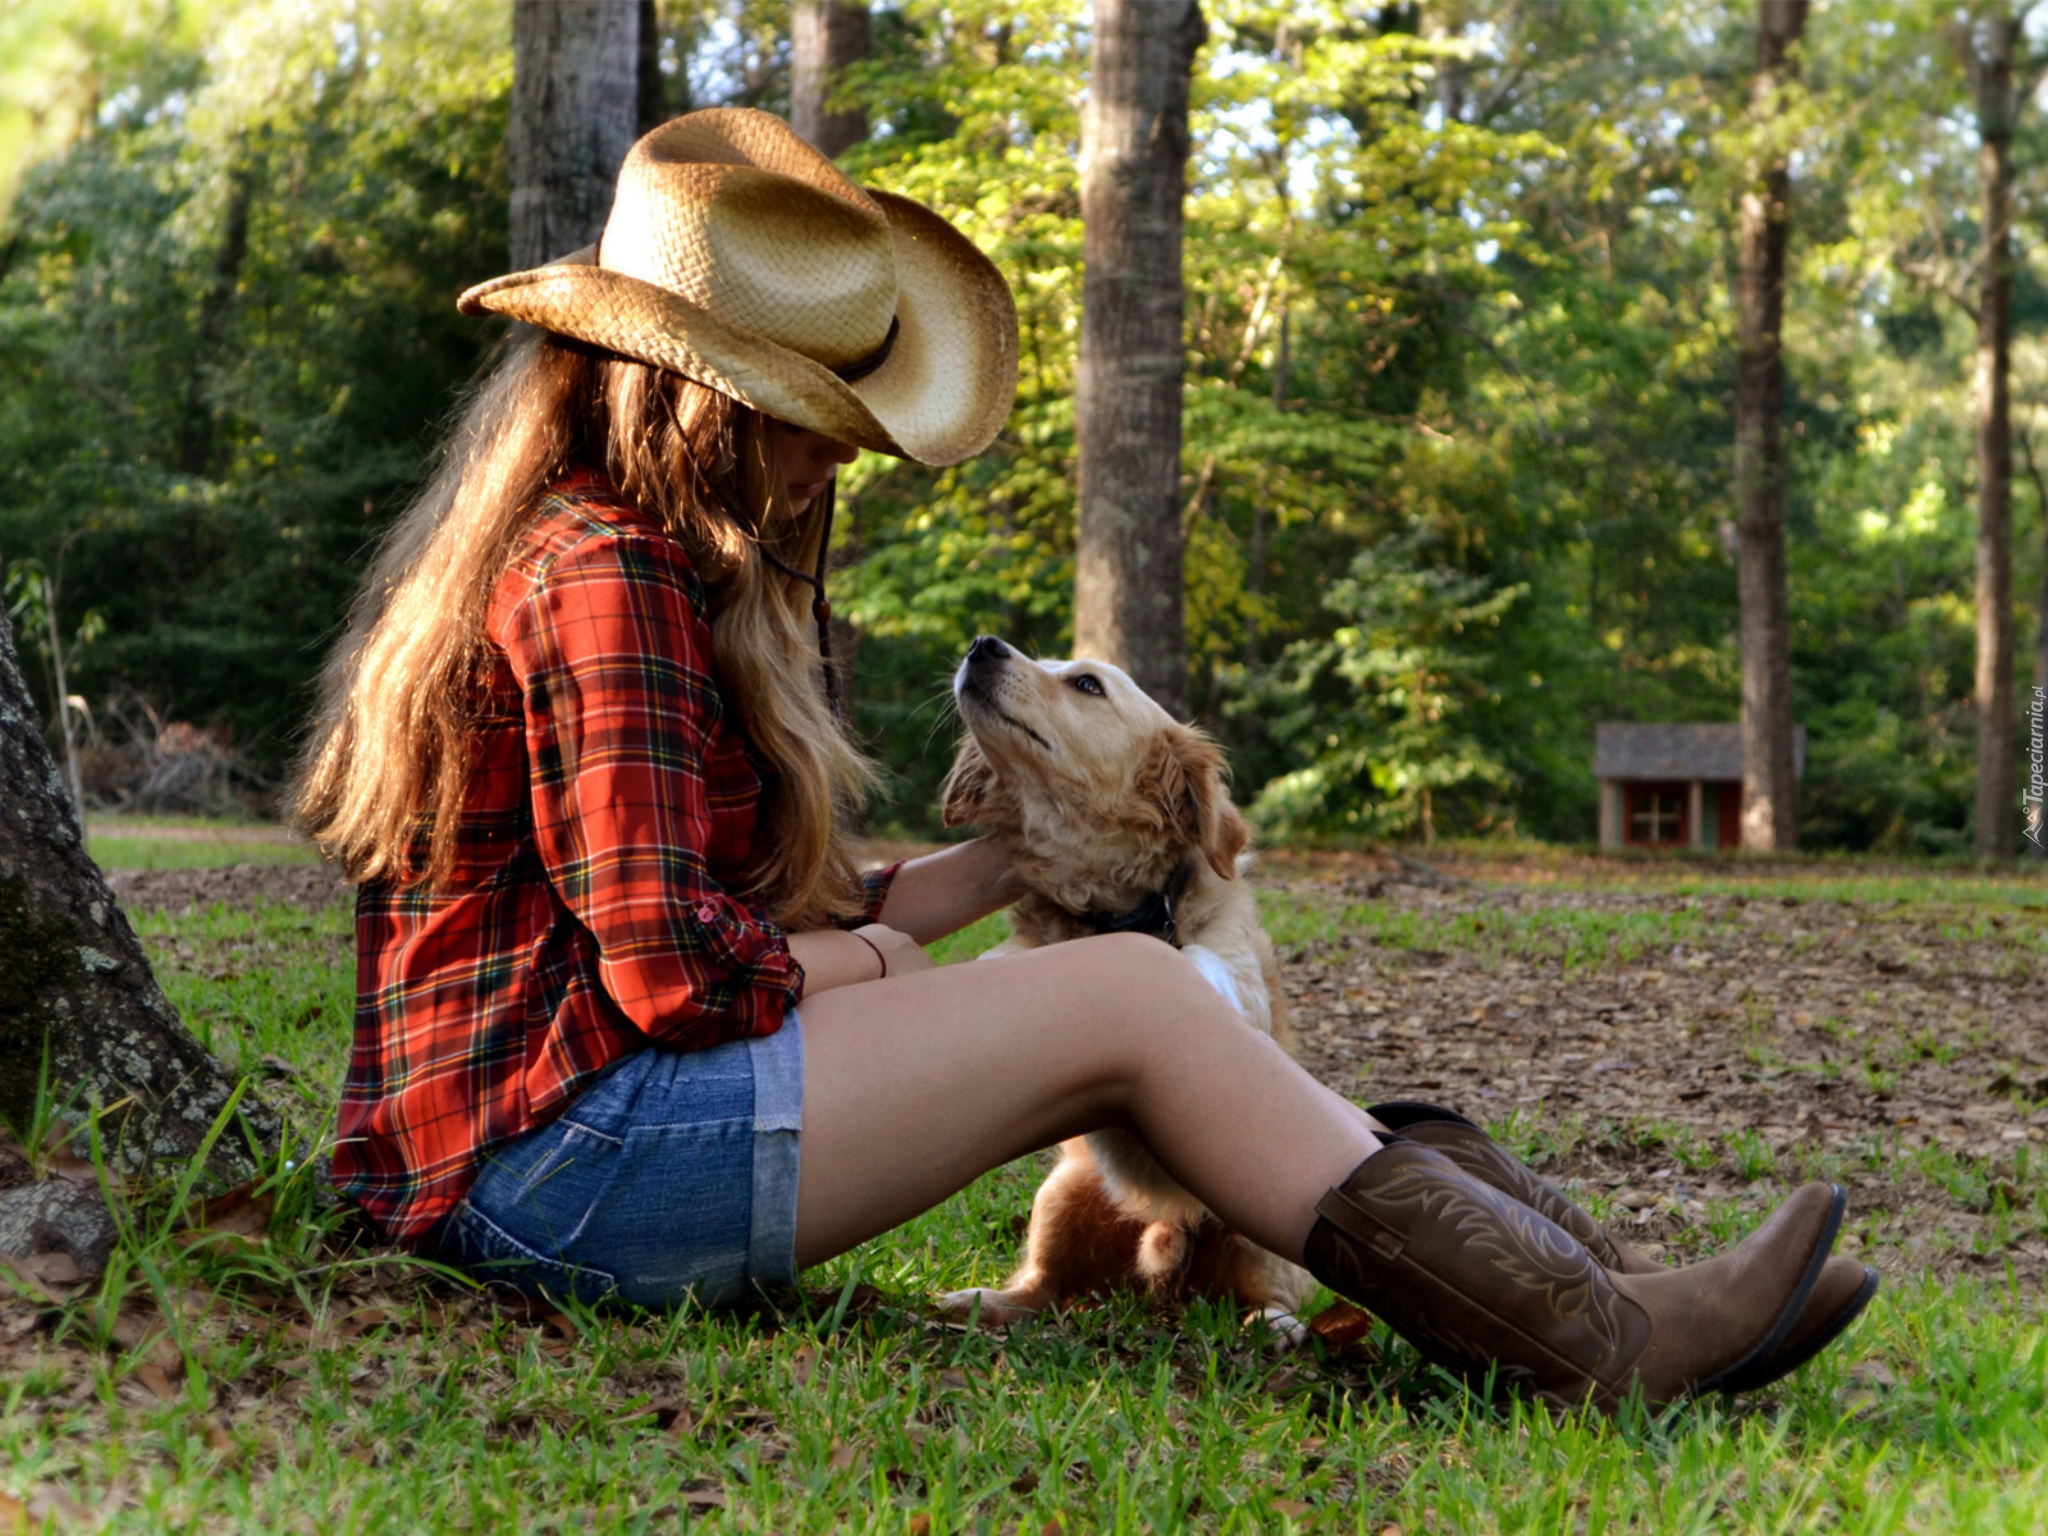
column 940, row 397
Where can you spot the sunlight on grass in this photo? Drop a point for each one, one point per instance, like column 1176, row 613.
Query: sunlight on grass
column 190, row 842
column 319, row 1389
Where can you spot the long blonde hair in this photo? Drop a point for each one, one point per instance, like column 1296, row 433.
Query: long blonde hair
column 381, row 783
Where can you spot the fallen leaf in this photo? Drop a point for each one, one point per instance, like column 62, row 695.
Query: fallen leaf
column 49, row 1503
column 704, row 1498
column 1024, row 1482
column 54, row 1268
column 240, row 1212
column 844, row 1457
column 144, row 1334
column 153, row 1377
column 921, row 1523
column 673, row 1418
column 802, row 1363
column 68, row 1165
column 14, row 1515
column 35, row 1287
column 1291, row 1507
column 1341, row 1324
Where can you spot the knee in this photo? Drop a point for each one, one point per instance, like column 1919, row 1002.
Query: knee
column 1148, row 983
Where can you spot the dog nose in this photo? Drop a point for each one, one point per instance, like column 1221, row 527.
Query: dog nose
column 986, row 651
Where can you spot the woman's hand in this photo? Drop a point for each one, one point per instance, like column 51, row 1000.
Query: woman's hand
column 839, row 957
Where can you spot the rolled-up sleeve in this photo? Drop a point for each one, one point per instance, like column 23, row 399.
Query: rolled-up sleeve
column 622, row 716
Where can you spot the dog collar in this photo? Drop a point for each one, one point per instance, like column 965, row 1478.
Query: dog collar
column 1154, row 915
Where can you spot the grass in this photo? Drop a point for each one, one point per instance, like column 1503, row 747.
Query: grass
column 308, row 1383
column 190, row 842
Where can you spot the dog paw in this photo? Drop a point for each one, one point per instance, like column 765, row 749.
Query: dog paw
column 1284, row 1332
column 989, row 1306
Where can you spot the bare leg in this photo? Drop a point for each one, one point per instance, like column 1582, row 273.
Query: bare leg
column 916, row 1086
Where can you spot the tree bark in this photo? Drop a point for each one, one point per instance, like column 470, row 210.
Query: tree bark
column 652, row 108
column 1129, row 597
column 2036, row 713
column 76, row 983
column 825, row 36
column 1770, row 786
column 1991, row 49
column 575, row 111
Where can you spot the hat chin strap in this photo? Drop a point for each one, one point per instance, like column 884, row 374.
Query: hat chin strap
column 821, row 607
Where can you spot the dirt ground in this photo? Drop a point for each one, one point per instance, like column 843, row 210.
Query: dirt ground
column 1900, row 1047
column 237, row 885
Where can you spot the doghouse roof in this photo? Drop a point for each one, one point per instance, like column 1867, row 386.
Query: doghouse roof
column 1628, row 751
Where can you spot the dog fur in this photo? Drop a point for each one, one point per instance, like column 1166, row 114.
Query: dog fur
column 1106, row 796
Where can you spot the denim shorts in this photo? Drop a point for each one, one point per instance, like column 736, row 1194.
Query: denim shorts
column 673, row 1174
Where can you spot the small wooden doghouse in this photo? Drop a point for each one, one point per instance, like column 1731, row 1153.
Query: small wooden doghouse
column 1674, row 786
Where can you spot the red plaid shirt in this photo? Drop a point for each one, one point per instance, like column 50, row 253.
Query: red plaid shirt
column 612, row 805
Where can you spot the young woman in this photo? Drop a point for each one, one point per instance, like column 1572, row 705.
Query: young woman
column 630, row 1023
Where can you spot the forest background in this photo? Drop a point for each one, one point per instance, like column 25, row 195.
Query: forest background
column 1458, row 460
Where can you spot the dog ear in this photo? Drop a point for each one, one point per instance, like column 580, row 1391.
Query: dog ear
column 1183, row 776
column 965, row 796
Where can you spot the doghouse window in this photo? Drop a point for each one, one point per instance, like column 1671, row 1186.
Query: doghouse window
column 1656, row 816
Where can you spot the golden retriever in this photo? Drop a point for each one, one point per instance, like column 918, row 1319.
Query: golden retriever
column 1121, row 823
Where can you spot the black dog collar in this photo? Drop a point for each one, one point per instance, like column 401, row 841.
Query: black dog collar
column 1154, row 915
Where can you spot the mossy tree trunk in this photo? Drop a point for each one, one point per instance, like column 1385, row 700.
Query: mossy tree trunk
column 74, row 979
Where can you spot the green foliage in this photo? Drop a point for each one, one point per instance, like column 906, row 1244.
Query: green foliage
column 1459, row 325
column 1390, row 709
column 228, row 328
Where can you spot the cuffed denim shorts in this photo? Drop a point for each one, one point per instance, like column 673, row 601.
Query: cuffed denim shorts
column 673, row 1174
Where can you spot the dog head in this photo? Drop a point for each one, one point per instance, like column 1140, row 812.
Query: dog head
column 1102, row 788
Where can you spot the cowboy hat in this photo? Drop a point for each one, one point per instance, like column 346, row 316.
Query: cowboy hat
column 738, row 256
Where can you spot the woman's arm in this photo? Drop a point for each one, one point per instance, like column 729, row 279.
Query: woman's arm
column 943, row 892
column 839, row 957
column 928, row 899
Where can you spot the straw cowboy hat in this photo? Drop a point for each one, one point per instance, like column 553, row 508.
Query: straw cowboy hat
column 740, row 257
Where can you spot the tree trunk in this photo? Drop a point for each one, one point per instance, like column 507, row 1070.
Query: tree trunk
column 575, row 110
column 2034, row 795
column 75, row 981
column 1770, row 786
column 1128, row 560
column 1991, row 71
column 2036, row 831
column 652, row 108
column 825, row 36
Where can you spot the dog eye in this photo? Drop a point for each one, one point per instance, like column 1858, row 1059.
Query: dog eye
column 1087, row 683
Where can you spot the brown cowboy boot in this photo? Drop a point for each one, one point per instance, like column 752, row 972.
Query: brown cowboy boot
column 1481, row 1283
column 1840, row 1293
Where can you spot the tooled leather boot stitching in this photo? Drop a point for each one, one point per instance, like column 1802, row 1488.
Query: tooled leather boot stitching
column 1480, row 1282
column 1842, row 1290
